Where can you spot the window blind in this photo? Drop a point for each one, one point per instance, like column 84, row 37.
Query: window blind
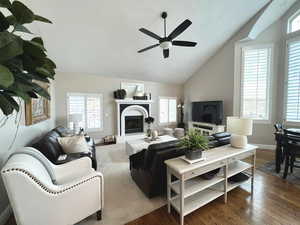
column 167, row 110
column 255, row 83
column 293, row 83
column 89, row 106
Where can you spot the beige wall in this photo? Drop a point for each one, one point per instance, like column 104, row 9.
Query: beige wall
column 25, row 135
column 215, row 80
column 85, row 83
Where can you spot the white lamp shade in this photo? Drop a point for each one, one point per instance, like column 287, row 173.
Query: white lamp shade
column 239, row 126
column 75, row 118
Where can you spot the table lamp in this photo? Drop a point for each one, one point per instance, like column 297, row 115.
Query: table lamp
column 75, row 118
column 239, row 128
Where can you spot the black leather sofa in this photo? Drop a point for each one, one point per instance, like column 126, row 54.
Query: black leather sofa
column 148, row 169
column 49, row 146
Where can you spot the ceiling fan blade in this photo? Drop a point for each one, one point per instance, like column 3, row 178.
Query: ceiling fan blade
column 178, row 30
column 166, row 53
column 184, row 43
column 145, row 49
column 151, row 34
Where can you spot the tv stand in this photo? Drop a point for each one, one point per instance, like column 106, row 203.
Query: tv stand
column 206, row 128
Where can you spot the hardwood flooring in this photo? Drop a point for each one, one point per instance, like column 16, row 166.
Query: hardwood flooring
column 275, row 202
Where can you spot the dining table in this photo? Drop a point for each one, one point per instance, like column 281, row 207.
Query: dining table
column 279, row 154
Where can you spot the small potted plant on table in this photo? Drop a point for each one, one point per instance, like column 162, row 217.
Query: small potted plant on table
column 149, row 120
column 195, row 143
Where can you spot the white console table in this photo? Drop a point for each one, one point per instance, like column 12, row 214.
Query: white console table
column 191, row 192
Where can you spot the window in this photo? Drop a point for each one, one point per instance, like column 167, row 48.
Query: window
column 89, row 106
column 292, row 112
column 167, row 110
column 255, row 83
column 294, row 23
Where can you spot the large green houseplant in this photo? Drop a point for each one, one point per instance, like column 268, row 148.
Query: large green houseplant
column 21, row 60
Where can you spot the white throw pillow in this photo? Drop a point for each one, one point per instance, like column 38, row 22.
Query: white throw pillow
column 74, row 144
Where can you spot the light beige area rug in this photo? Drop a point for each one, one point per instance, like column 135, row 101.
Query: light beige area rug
column 123, row 200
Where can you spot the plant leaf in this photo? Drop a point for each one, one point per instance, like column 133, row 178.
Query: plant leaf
column 12, row 49
column 44, row 72
column 5, row 105
column 50, row 63
column 22, row 13
column 4, row 24
column 6, row 77
column 5, row 39
column 12, row 102
column 40, row 91
column 5, row 4
column 34, row 49
column 11, row 19
column 38, row 40
column 21, row 28
column 41, row 19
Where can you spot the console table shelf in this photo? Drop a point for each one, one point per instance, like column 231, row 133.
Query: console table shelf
column 191, row 192
column 195, row 185
column 197, row 200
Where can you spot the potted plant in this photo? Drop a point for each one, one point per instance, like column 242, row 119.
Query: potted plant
column 22, row 60
column 195, row 143
column 149, row 120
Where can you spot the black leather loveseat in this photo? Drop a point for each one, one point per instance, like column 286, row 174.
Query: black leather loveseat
column 49, row 146
column 147, row 167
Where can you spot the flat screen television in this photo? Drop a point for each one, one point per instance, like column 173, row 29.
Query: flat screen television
column 208, row 112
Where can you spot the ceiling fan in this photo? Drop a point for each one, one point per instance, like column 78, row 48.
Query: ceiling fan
column 167, row 42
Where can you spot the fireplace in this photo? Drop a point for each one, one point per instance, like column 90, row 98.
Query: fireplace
column 134, row 124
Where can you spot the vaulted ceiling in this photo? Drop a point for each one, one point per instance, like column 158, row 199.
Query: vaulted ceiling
column 102, row 37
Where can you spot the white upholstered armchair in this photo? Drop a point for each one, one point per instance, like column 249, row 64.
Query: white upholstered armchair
column 41, row 193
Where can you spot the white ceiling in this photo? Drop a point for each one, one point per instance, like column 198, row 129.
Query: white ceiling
column 101, row 36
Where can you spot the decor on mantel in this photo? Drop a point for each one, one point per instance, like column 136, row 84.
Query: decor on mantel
column 167, row 42
column 120, row 94
column 133, row 89
column 37, row 109
column 21, row 60
column 149, row 120
column 194, row 144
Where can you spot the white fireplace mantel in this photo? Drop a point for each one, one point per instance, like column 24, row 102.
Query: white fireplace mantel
column 131, row 101
column 133, row 106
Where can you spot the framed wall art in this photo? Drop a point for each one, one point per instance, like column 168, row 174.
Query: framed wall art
column 37, row 109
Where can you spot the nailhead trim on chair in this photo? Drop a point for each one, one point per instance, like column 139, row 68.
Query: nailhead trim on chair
column 43, row 186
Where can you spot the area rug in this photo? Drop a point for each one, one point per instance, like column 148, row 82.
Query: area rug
column 123, row 200
column 269, row 168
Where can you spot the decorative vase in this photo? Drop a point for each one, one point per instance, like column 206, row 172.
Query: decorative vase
column 149, row 132
column 193, row 154
column 154, row 134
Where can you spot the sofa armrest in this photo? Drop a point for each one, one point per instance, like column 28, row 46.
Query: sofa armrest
column 137, row 160
column 72, row 170
column 82, row 182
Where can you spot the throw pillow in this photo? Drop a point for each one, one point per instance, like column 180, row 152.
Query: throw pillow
column 74, row 144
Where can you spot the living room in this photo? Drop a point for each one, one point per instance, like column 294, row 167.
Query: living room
column 116, row 95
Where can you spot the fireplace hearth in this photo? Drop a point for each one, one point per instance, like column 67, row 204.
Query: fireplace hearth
column 134, row 124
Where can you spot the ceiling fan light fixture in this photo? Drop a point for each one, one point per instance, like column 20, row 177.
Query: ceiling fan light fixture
column 166, row 45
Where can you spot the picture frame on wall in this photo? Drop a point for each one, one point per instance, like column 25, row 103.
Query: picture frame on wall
column 132, row 88
column 37, row 109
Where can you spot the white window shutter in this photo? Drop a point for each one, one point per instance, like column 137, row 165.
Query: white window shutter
column 167, row 110
column 90, row 106
column 255, row 83
column 293, row 83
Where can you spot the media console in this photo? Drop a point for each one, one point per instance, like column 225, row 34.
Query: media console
column 206, row 128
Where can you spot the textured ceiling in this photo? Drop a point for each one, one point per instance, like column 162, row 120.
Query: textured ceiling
column 102, row 37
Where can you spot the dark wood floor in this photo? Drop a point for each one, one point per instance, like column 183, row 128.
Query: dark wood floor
column 275, row 202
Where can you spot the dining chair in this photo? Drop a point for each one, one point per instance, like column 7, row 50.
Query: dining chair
column 291, row 149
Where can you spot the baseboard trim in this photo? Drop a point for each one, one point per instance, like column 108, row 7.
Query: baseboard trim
column 266, row 147
column 4, row 216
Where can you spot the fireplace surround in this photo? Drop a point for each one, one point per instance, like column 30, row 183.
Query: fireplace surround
column 131, row 116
